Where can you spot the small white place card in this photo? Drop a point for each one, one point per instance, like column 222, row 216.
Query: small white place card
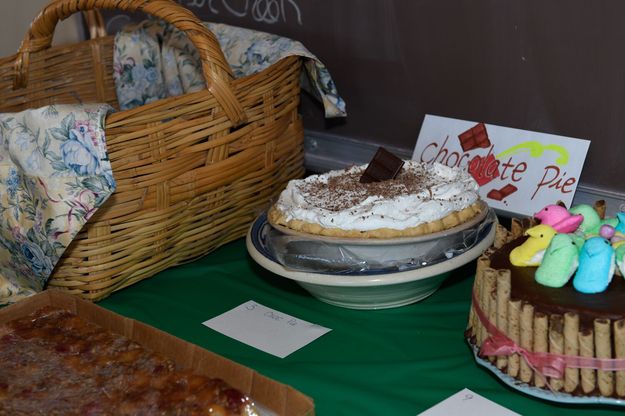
column 467, row 403
column 264, row 328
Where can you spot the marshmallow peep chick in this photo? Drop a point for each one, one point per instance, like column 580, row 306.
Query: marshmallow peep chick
column 620, row 226
column 531, row 252
column 596, row 266
column 619, row 256
column 592, row 221
column 560, row 261
column 559, row 218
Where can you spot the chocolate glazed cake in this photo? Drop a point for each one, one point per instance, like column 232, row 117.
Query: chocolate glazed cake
column 549, row 338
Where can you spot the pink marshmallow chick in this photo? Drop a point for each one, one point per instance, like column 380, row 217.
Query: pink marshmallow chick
column 559, row 218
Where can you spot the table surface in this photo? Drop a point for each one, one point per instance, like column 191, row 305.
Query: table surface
column 397, row 361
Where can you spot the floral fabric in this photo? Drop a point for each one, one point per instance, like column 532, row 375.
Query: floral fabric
column 154, row 60
column 54, row 174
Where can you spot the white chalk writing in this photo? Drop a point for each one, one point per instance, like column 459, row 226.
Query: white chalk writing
column 117, row 22
column 265, row 11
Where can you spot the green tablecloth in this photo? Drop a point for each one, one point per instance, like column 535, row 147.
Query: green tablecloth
column 387, row 362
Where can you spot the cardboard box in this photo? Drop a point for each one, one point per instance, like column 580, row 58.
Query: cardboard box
column 269, row 394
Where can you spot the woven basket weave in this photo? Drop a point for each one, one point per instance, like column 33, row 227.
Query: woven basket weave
column 192, row 171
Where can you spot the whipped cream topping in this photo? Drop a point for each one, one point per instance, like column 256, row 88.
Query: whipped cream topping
column 421, row 193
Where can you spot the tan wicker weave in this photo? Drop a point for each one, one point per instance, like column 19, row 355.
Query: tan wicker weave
column 192, row 171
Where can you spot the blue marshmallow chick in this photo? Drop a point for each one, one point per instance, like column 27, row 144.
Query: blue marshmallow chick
column 531, row 252
column 620, row 225
column 596, row 266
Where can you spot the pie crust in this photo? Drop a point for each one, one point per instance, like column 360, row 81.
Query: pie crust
column 276, row 217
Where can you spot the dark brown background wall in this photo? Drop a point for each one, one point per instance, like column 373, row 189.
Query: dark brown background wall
column 554, row 66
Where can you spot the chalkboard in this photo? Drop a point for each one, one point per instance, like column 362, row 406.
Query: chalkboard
column 553, row 66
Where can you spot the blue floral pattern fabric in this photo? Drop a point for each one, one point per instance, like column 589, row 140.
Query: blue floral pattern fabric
column 154, row 60
column 54, row 174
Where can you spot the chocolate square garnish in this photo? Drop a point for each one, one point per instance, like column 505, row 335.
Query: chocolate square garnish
column 383, row 166
column 500, row 194
column 475, row 137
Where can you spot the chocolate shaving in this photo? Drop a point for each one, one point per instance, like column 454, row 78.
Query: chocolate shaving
column 345, row 190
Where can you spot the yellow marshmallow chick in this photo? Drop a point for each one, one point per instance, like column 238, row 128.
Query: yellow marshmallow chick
column 531, row 252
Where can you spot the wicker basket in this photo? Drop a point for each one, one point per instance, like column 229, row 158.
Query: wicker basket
column 192, row 171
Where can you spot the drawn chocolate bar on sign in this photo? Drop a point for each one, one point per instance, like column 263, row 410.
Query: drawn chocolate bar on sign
column 383, row 166
column 500, row 194
column 475, row 137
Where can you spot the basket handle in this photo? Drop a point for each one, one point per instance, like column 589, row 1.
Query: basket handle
column 217, row 72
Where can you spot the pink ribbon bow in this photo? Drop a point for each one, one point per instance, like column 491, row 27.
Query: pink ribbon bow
column 550, row 365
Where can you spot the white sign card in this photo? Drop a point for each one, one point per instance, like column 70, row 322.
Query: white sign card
column 518, row 171
column 467, row 403
column 266, row 329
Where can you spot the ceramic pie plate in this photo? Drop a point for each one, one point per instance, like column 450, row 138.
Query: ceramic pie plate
column 375, row 289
